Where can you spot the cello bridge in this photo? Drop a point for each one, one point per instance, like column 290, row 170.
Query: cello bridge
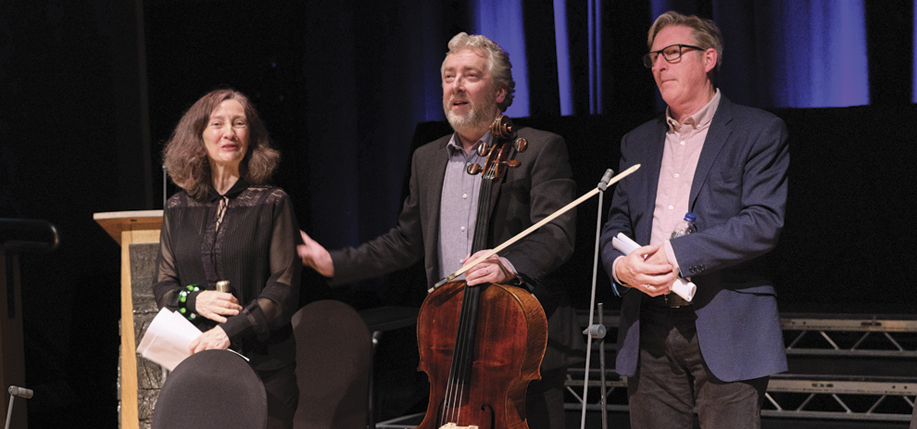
column 455, row 426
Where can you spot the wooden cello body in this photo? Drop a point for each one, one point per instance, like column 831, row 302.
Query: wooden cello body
column 481, row 345
column 510, row 340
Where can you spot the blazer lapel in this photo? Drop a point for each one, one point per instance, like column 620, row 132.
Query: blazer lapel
column 652, row 162
column 431, row 185
column 720, row 129
column 436, row 175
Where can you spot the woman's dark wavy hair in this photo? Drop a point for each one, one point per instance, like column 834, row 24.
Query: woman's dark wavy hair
column 185, row 154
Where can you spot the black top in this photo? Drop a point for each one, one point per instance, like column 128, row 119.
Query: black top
column 254, row 248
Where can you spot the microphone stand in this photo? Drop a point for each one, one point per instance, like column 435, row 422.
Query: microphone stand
column 165, row 195
column 596, row 330
column 9, row 412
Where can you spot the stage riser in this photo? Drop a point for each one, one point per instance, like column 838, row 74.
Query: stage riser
column 841, row 367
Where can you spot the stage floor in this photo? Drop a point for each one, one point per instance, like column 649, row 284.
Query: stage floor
column 619, row 420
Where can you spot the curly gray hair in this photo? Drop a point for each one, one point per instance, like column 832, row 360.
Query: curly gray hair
column 497, row 62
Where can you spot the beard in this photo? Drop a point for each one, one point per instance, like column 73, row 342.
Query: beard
column 478, row 117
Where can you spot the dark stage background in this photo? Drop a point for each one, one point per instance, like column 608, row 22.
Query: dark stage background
column 90, row 89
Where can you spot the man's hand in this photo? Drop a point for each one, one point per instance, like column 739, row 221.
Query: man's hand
column 216, row 305
column 647, row 270
column 494, row 269
column 658, row 257
column 315, row 255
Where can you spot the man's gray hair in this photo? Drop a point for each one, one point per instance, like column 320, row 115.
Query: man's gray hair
column 706, row 34
column 497, row 62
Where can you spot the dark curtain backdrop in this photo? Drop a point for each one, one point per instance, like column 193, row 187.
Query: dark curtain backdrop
column 90, row 89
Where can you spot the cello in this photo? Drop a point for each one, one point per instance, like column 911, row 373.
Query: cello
column 481, row 345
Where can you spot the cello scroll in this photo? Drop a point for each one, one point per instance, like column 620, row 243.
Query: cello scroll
column 498, row 152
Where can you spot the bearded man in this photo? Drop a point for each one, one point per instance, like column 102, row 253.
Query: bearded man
column 437, row 220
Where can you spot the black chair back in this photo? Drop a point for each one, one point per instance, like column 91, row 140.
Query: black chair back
column 333, row 362
column 211, row 389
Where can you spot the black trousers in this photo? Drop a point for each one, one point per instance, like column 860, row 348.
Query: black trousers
column 544, row 400
column 282, row 396
column 672, row 379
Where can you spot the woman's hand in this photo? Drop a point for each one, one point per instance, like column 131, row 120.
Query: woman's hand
column 215, row 338
column 216, row 305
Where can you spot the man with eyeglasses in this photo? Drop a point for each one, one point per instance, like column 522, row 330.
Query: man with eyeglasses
column 727, row 164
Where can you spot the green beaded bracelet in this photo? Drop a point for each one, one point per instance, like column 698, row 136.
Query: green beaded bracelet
column 183, row 301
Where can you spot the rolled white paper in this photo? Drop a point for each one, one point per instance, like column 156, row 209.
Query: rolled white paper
column 624, row 243
column 684, row 289
column 681, row 287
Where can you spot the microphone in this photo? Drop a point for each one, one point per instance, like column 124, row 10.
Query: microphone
column 603, row 184
column 15, row 391
column 21, row 392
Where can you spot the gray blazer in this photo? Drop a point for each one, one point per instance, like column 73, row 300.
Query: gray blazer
column 739, row 196
column 537, row 188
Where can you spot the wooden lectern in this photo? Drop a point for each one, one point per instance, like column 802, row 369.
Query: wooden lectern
column 127, row 228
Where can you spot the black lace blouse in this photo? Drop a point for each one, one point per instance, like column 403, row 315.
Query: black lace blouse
column 254, row 249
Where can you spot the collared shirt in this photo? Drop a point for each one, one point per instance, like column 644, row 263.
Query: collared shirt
column 683, row 144
column 459, row 205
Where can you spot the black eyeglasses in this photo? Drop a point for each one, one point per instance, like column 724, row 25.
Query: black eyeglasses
column 671, row 53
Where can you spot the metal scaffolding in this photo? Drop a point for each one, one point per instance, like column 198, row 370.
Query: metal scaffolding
column 868, row 343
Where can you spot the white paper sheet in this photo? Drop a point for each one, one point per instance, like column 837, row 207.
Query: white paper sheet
column 167, row 339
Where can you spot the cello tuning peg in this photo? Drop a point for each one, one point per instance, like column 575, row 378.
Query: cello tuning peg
column 474, row 169
column 481, row 149
column 520, row 144
column 513, row 163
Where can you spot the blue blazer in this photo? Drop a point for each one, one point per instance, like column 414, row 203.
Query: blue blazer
column 739, row 197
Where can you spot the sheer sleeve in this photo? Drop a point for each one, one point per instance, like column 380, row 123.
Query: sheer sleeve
column 166, row 283
column 279, row 294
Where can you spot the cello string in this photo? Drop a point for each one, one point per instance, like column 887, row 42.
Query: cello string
column 472, row 295
column 455, row 371
column 462, row 359
column 445, row 408
column 457, row 361
column 465, row 356
column 451, row 385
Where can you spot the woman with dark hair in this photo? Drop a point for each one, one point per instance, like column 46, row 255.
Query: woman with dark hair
column 228, row 224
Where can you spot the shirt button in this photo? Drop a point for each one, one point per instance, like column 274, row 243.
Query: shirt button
column 463, row 229
column 677, row 175
column 682, row 142
column 464, row 195
column 671, row 207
